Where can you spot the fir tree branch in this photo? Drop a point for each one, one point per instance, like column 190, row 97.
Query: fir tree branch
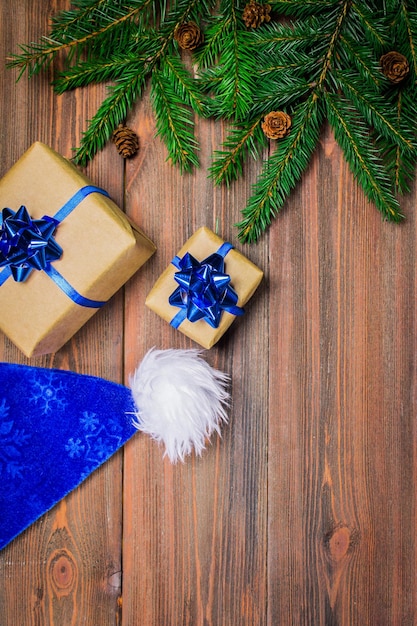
column 74, row 17
column 302, row 8
column 97, row 71
column 282, row 171
column 375, row 111
column 85, row 13
column 285, row 94
column 185, row 87
column 400, row 163
column 183, row 11
column 232, row 77
column 215, row 35
column 322, row 60
column 111, row 112
column 299, row 63
column 36, row 56
column 115, row 107
column 353, row 138
column 411, row 34
column 360, row 57
column 327, row 63
column 228, row 165
column 376, row 30
column 174, row 125
column 297, row 37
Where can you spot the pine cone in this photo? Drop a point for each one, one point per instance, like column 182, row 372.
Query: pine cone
column 188, row 35
column 276, row 124
column 126, row 141
column 255, row 14
column 394, row 66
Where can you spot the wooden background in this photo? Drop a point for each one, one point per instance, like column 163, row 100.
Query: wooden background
column 304, row 513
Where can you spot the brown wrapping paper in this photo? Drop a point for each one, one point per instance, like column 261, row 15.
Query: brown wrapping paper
column 245, row 278
column 102, row 250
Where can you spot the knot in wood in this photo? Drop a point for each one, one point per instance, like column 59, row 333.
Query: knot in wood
column 62, row 573
column 339, row 541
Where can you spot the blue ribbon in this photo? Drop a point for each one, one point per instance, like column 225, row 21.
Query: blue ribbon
column 27, row 244
column 204, row 289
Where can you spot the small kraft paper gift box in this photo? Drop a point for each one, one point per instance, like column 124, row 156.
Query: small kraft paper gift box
column 203, row 289
column 65, row 249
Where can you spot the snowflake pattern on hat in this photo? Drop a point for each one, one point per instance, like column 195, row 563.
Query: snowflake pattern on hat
column 48, row 392
column 12, row 443
column 96, row 441
column 56, row 427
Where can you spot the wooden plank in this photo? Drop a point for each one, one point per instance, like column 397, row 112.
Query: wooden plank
column 195, row 534
column 342, row 407
column 66, row 568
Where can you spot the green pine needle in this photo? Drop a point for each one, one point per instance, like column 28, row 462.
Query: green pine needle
column 243, row 140
column 175, row 126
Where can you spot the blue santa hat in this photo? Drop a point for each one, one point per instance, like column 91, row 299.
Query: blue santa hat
column 57, row 427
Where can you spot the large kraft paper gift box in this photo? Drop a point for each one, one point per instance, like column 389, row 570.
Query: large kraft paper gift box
column 101, row 250
column 244, row 279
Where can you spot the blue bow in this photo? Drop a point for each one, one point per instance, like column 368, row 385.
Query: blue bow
column 27, row 244
column 204, row 290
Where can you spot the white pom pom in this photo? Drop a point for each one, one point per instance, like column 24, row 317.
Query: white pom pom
column 180, row 400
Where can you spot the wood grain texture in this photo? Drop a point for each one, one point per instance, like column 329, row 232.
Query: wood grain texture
column 304, row 512
column 342, row 434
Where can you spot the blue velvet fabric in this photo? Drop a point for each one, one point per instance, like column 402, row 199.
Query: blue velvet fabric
column 56, row 427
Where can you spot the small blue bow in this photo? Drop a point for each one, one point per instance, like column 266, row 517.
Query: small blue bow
column 27, row 244
column 204, row 290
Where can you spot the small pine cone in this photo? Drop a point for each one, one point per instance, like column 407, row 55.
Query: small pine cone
column 276, row 124
column 188, row 35
column 126, row 141
column 255, row 14
column 394, row 66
